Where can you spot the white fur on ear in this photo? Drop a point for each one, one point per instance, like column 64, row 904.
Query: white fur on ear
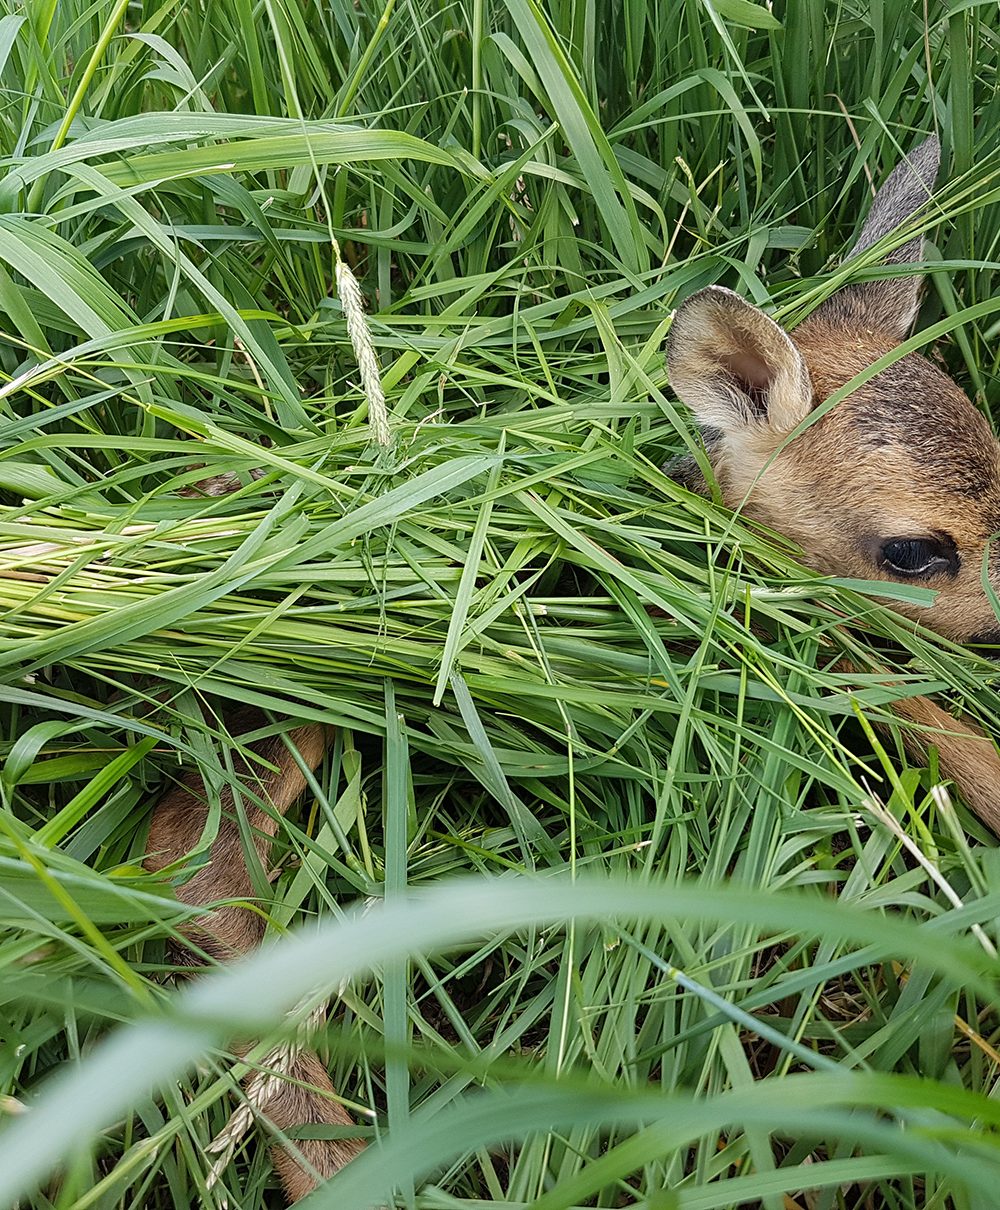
column 734, row 367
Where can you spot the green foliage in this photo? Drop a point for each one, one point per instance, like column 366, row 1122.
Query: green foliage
column 694, row 969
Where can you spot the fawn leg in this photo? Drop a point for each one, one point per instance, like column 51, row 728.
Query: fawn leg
column 228, row 931
column 967, row 755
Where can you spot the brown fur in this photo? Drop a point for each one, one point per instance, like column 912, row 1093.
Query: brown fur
column 305, row 1096
column 218, row 485
column 880, row 464
column 312, row 1104
column 905, row 456
column 966, row 754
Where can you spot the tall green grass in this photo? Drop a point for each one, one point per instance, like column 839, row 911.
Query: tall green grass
column 694, row 969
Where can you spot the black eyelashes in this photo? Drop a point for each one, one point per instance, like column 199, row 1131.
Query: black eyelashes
column 919, row 558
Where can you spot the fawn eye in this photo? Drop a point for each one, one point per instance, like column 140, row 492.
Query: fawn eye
column 913, row 557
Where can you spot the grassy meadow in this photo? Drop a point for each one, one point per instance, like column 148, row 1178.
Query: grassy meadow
column 718, row 943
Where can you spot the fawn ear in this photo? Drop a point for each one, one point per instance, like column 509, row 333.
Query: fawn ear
column 890, row 307
column 734, row 367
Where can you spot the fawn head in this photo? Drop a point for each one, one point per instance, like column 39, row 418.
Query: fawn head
column 900, row 481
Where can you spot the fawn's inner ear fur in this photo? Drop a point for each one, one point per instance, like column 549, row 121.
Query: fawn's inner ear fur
column 735, row 367
column 750, row 371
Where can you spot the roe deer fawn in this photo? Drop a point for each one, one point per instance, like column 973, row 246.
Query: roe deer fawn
column 899, row 481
